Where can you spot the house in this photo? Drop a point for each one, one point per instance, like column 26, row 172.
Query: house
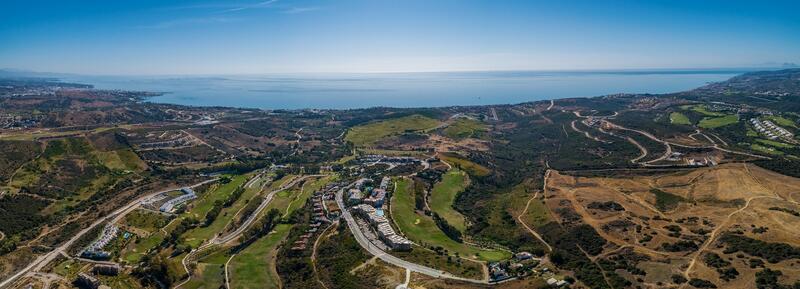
column 108, row 270
column 523, row 256
column 87, row 281
column 354, row 197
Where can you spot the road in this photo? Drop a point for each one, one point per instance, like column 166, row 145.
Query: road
column 254, row 215
column 236, row 233
column 377, row 252
column 534, row 233
column 115, row 216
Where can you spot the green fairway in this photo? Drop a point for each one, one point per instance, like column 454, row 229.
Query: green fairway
column 464, row 128
column 253, row 266
column 444, row 194
column 133, row 255
column 776, row 144
column 211, row 276
column 297, row 200
column 464, row 164
column 422, row 230
column 782, row 121
column 702, row 110
column 718, row 121
column 146, row 220
column 368, row 134
column 197, row 236
column 679, row 118
column 766, row 150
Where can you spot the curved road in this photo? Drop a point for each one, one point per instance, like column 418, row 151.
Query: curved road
column 254, row 215
column 115, row 216
column 377, row 252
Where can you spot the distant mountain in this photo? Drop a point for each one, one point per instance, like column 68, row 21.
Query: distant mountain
column 19, row 73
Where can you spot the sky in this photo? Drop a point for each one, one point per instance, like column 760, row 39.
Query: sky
column 157, row 37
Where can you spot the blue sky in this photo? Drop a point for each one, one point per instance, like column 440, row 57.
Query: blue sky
column 284, row 36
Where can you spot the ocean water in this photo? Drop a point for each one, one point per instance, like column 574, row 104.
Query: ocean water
column 344, row 91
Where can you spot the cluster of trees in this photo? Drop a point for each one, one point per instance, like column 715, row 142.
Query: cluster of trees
column 19, row 214
column 606, row 206
column 785, row 210
column 715, row 261
column 448, row 229
column 787, row 167
column 249, row 209
column 679, row 246
column 337, row 256
column 772, row 252
column 768, row 279
column 700, row 283
column 185, row 225
column 567, row 253
column 262, row 227
column 213, row 213
column 235, row 195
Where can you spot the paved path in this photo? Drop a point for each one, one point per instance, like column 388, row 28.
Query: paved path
column 254, row 215
column 377, row 252
column 115, row 216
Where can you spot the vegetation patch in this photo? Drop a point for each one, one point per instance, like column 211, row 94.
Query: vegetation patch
column 717, row 122
column 782, row 121
column 368, row 134
column 679, row 118
column 444, row 194
column 772, row 252
column 14, row 154
column 702, row 109
column 423, row 230
column 766, row 150
column 465, row 128
column 666, row 201
column 146, row 220
column 251, row 268
column 785, row 210
column 464, row 164
column 775, row 144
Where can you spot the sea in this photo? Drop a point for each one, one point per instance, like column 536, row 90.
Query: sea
column 428, row 89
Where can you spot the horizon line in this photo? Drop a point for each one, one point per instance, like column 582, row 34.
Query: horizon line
column 597, row 70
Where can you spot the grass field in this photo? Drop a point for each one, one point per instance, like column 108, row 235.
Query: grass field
column 251, row 268
column 136, row 253
column 444, row 194
column 422, row 230
column 537, row 214
column 666, row 201
column 702, row 110
column 197, row 236
column 297, row 200
column 766, row 150
column 392, row 152
column 464, row 128
column 367, row 134
column 782, row 121
column 775, row 144
column 718, row 121
column 146, row 220
column 679, row 118
column 124, row 159
column 212, row 276
column 464, row 164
